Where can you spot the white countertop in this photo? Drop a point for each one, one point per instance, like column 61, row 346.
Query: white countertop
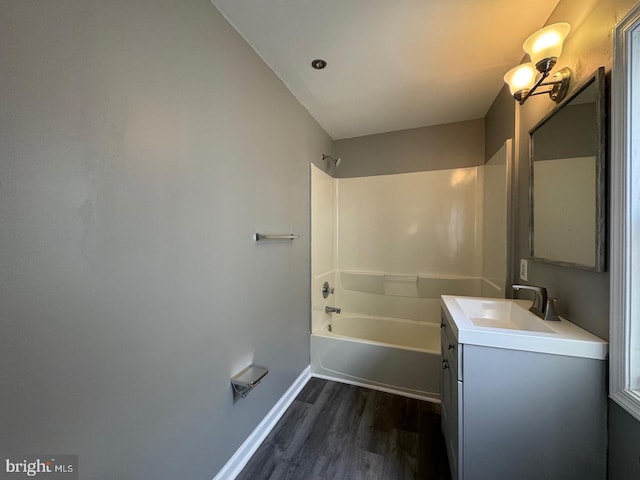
column 560, row 338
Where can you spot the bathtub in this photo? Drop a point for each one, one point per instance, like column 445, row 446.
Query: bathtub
column 394, row 355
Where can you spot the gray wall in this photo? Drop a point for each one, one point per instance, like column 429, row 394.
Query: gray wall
column 142, row 143
column 584, row 296
column 499, row 123
column 624, row 444
column 438, row 147
column 499, row 126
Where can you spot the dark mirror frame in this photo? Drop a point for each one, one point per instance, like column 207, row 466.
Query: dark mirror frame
column 598, row 77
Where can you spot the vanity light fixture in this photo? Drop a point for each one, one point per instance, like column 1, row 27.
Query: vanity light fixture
column 544, row 48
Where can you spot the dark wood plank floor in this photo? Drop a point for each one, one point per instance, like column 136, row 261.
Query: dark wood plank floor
column 342, row 432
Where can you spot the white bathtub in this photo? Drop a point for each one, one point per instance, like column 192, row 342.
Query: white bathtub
column 399, row 356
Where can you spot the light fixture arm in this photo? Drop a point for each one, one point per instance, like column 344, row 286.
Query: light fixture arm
column 528, row 93
column 559, row 86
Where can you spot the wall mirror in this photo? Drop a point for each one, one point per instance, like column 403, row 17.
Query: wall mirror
column 567, row 180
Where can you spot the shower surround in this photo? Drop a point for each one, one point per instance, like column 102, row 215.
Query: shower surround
column 391, row 245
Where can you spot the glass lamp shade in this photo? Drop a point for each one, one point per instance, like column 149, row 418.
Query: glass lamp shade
column 546, row 42
column 522, row 77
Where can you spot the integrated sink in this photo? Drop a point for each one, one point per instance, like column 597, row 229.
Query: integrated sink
column 506, row 323
column 501, row 314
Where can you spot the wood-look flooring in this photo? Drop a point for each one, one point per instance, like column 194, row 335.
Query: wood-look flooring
column 343, row 432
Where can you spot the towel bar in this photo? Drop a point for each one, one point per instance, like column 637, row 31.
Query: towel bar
column 268, row 236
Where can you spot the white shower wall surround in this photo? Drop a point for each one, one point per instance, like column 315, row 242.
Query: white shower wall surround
column 412, row 223
column 324, row 223
column 494, row 220
column 323, row 242
column 391, row 245
column 415, row 297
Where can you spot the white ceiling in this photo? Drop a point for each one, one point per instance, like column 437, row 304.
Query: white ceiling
column 392, row 64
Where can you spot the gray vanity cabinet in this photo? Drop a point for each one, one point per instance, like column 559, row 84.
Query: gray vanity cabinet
column 451, row 395
column 511, row 414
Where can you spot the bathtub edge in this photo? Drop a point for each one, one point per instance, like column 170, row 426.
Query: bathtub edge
column 374, row 386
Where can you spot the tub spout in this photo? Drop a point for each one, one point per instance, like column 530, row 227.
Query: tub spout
column 332, row 310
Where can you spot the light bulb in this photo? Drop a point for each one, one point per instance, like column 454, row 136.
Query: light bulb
column 546, row 43
column 522, row 77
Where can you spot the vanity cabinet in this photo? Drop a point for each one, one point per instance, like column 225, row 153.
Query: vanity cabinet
column 513, row 414
column 451, row 395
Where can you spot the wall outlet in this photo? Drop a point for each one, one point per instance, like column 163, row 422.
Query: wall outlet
column 524, row 265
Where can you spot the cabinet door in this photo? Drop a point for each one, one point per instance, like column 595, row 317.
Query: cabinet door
column 451, row 391
column 445, row 404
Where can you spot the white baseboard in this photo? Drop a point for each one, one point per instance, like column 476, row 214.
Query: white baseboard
column 242, row 456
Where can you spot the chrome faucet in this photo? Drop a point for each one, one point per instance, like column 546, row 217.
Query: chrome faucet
column 332, row 310
column 543, row 306
column 327, row 289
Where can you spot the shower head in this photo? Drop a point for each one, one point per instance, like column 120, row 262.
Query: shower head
column 336, row 160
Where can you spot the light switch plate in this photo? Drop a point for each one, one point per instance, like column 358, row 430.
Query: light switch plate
column 524, row 264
